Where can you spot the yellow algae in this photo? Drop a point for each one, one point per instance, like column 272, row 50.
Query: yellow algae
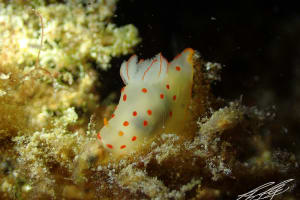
column 45, row 107
column 67, row 39
column 70, row 45
column 221, row 120
column 135, row 180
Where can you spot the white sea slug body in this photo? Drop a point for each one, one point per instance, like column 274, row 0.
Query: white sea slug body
column 153, row 101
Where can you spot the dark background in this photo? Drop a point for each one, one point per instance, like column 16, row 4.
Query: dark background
column 258, row 42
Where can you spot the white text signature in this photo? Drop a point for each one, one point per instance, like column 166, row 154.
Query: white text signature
column 269, row 192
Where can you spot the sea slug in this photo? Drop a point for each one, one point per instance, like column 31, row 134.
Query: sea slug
column 154, row 100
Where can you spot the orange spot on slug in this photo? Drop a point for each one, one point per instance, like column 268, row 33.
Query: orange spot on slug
column 99, row 136
column 121, row 133
column 123, row 146
column 144, row 90
column 124, row 97
column 149, row 112
column 134, row 113
column 133, row 138
column 126, row 123
column 112, row 116
column 105, row 122
column 145, row 122
column 162, row 96
column 178, row 68
column 109, row 146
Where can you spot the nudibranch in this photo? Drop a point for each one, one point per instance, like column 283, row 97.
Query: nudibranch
column 154, row 100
